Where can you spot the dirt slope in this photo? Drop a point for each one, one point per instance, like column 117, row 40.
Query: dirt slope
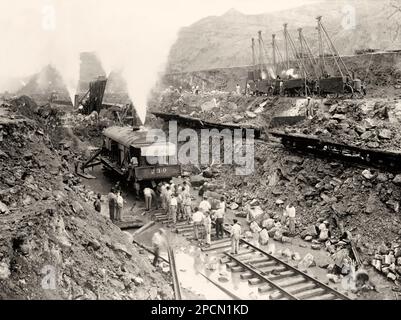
column 53, row 245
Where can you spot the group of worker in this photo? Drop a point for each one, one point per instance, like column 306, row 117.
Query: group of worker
column 116, row 203
column 203, row 217
column 176, row 200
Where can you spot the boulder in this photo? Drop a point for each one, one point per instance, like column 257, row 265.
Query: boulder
column 255, row 213
column 391, row 276
column 3, row 208
column 394, row 205
column 263, row 237
column 237, row 118
column 339, row 117
column 278, row 235
column 397, row 179
column 311, row 231
column 367, row 135
column 268, row 224
column 306, row 262
column 368, row 175
column 4, row 271
column 250, row 114
column 234, row 206
column 286, row 239
column 138, row 281
column 197, row 181
column 208, row 106
column 254, row 202
column 382, row 177
column 385, row 134
column 255, row 227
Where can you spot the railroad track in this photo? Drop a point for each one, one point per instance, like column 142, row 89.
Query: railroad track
column 173, row 270
column 310, row 144
column 274, row 277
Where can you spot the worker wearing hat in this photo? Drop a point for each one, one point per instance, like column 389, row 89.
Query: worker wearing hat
column 205, row 205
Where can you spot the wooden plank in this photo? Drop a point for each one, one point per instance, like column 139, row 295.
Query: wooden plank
column 85, row 175
column 129, row 224
column 143, row 228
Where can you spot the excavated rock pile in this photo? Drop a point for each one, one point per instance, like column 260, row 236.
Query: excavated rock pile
column 365, row 202
column 53, row 245
column 216, row 106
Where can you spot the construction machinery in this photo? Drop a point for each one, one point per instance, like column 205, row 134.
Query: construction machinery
column 131, row 153
column 344, row 82
column 92, row 99
column 301, row 84
column 259, row 80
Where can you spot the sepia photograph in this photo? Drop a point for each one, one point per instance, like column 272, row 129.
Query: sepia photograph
column 208, row 157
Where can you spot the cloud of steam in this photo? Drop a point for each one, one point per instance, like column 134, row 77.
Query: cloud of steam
column 290, row 72
column 271, row 72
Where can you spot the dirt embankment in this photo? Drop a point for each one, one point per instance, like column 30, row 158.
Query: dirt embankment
column 53, row 245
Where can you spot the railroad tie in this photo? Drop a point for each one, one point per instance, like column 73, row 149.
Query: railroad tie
column 264, row 264
column 302, row 287
column 237, row 269
column 254, row 281
column 246, row 276
column 327, row 296
column 217, row 247
column 265, row 289
column 282, row 275
column 288, row 282
column 311, row 293
column 274, row 268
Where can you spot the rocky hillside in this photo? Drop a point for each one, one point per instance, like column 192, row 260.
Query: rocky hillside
column 53, row 245
column 224, row 41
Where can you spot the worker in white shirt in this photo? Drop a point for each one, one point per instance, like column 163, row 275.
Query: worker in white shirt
column 197, row 218
column 238, row 89
column 180, row 200
column 172, row 186
column 119, row 207
column 163, row 189
column 219, row 217
column 207, row 223
column 148, row 194
column 235, row 236
column 186, row 186
column 173, row 208
column 187, row 204
column 167, row 196
column 222, row 204
column 205, row 205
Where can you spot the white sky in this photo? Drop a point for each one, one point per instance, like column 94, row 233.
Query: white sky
column 132, row 34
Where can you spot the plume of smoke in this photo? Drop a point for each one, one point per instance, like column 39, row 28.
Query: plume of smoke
column 271, row 72
column 290, row 72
